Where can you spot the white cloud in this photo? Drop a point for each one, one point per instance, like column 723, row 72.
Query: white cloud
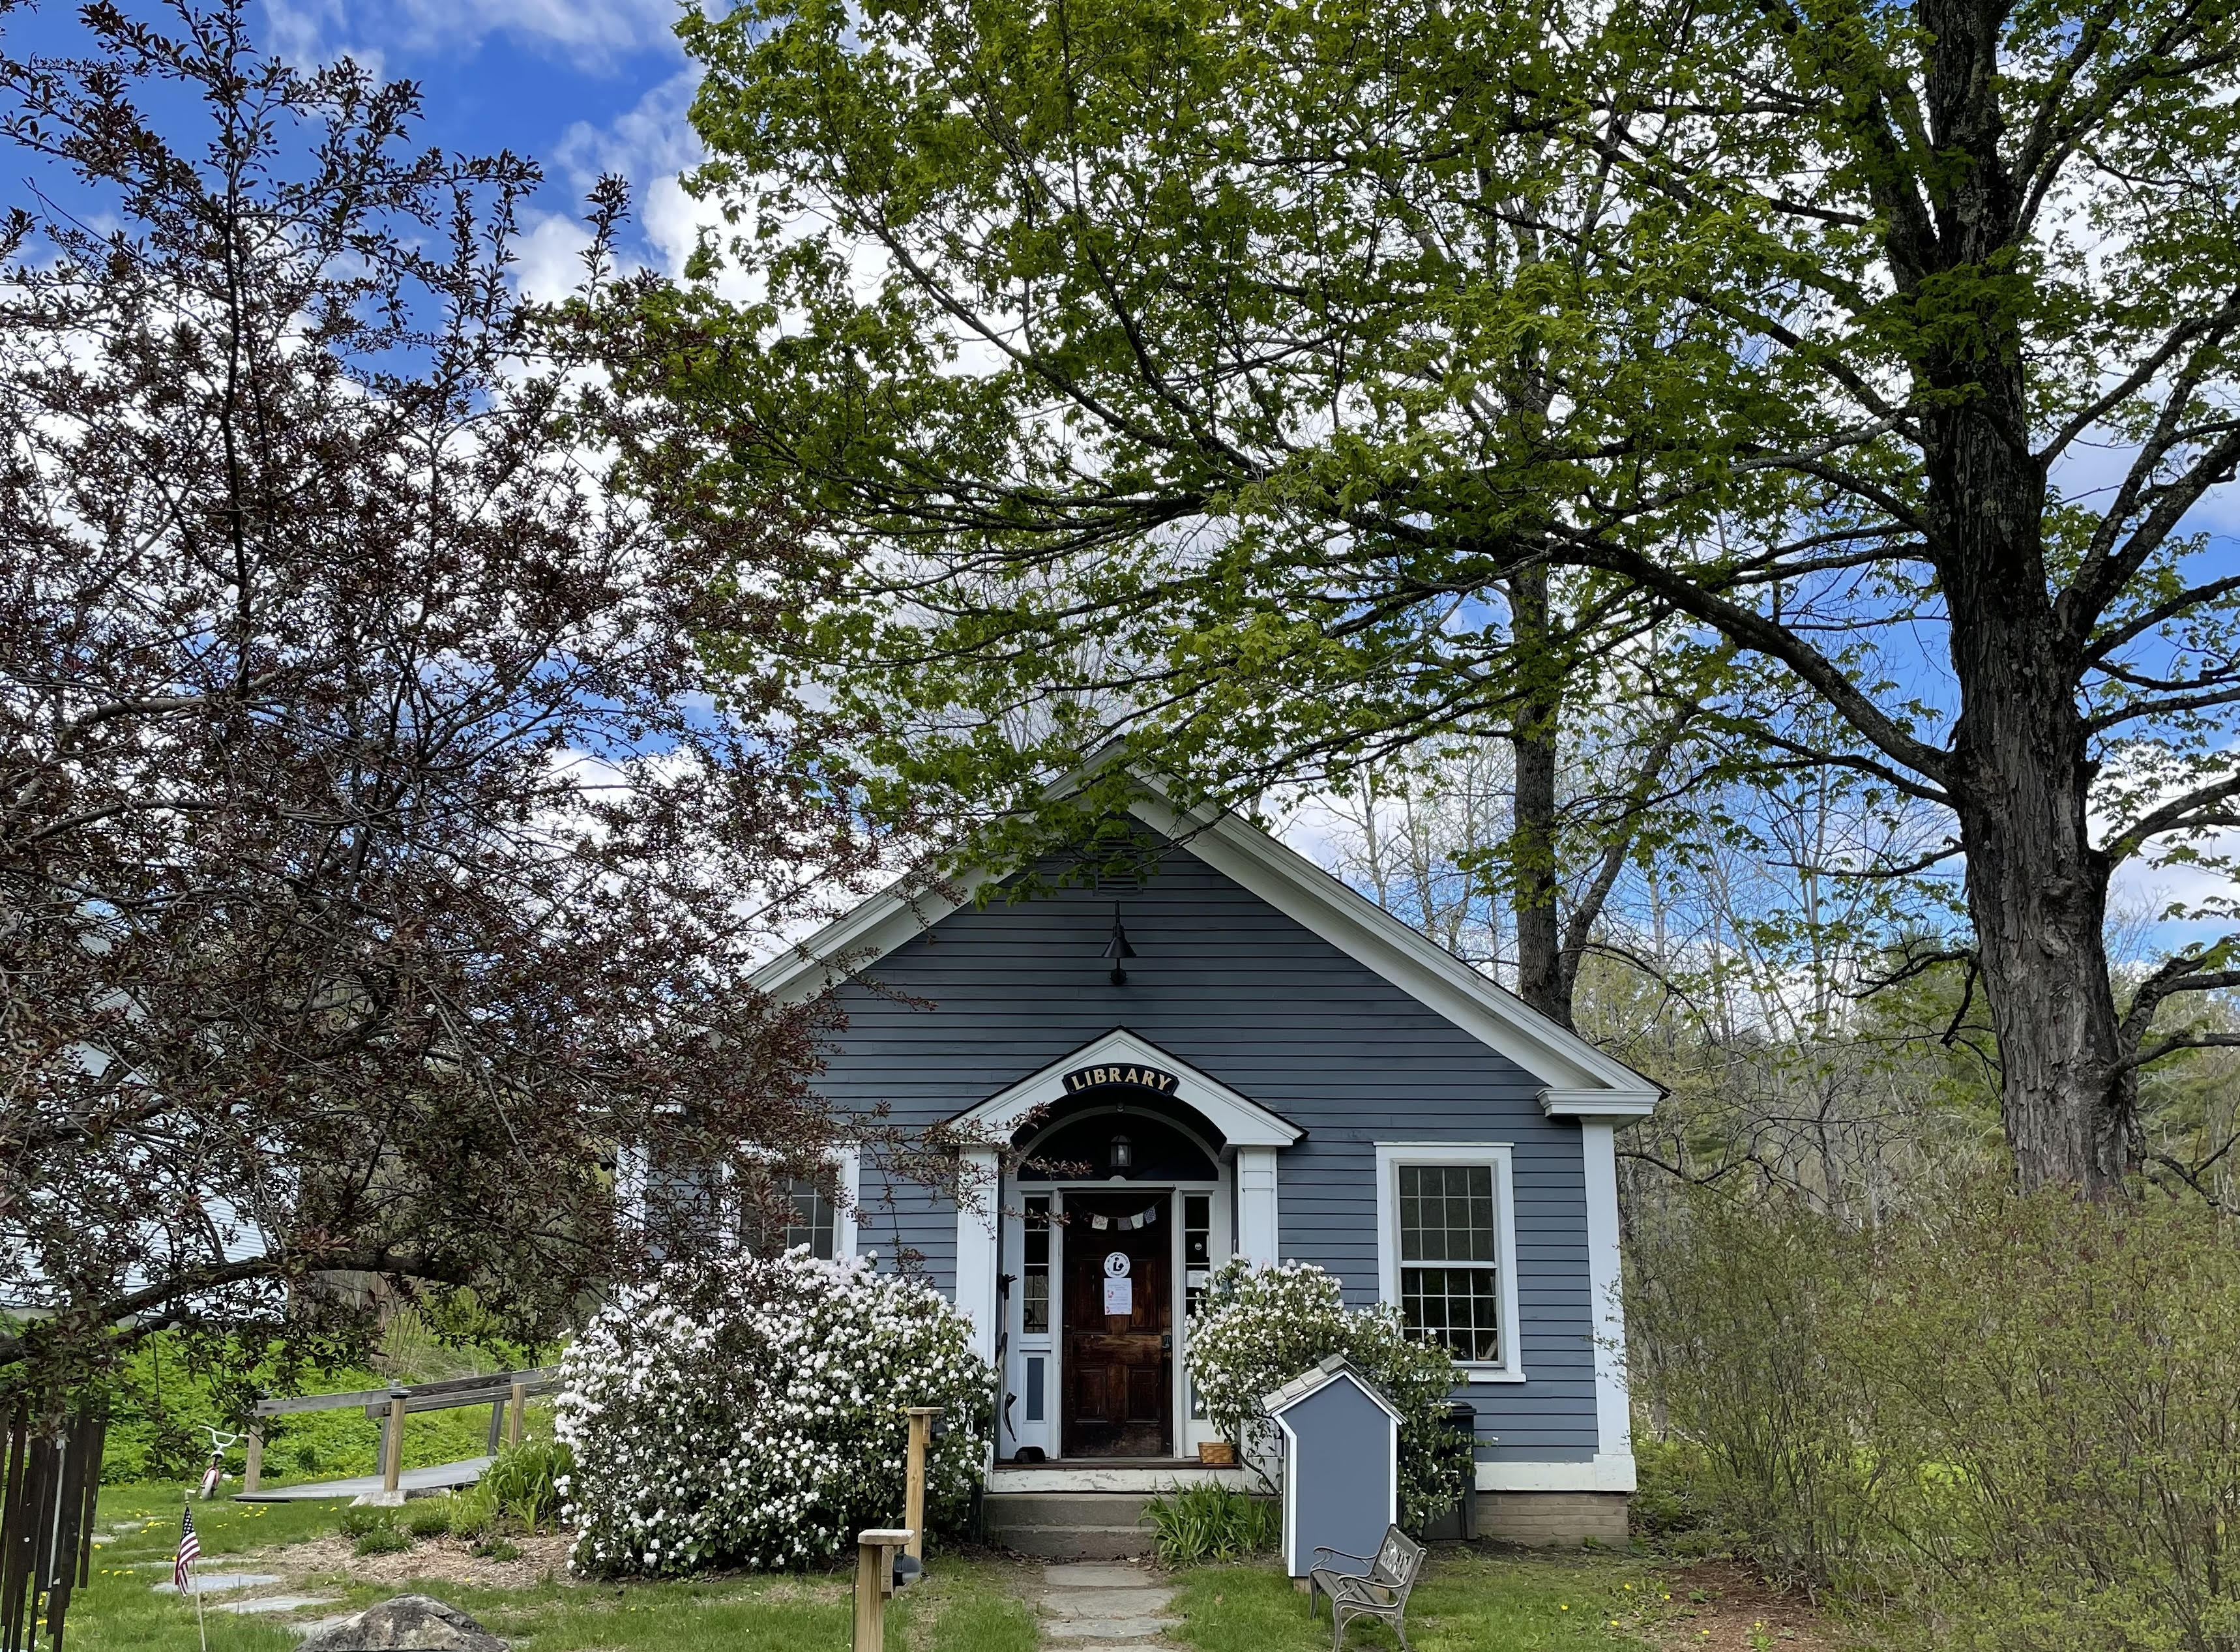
column 651, row 144
column 590, row 34
column 551, row 252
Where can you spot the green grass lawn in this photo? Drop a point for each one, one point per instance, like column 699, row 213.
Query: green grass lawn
column 965, row 1605
column 1578, row 1601
column 1581, row 1601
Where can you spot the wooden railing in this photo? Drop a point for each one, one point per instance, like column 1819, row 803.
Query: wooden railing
column 506, row 1393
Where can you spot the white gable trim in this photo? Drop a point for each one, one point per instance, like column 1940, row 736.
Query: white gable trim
column 899, row 913
column 1573, row 1068
column 1242, row 1121
column 1581, row 1081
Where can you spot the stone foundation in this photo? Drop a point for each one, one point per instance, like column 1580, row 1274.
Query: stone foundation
column 1550, row 1519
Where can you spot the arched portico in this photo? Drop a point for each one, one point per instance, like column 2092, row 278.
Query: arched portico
column 1141, row 1174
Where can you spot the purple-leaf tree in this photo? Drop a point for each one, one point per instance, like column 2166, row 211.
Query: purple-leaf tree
column 379, row 883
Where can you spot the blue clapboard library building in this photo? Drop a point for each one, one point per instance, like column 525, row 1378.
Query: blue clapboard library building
column 1236, row 1057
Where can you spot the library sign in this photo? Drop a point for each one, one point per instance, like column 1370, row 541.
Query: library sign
column 1150, row 1078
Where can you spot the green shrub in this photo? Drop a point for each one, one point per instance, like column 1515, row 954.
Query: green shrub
column 1669, row 1507
column 497, row 1549
column 1737, row 1319
column 2012, row 1425
column 360, row 1518
column 473, row 1512
column 382, row 1540
column 1213, row 1522
column 523, row 1482
column 1258, row 1328
column 429, row 1517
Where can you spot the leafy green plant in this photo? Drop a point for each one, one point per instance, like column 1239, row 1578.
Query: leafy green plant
column 497, row 1549
column 359, row 1519
column 1213, row 1522
column 524, row 1482
column 473, row 1512
column 382, row 1540
column 429, row 1517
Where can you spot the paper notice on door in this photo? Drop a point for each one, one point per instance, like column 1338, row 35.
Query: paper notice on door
column 1119, row 1297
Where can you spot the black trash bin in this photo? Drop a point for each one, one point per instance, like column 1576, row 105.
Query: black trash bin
column 1459, row 1523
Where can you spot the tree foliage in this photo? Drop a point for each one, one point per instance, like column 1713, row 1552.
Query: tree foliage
column 372, row 876
column 1274, row 383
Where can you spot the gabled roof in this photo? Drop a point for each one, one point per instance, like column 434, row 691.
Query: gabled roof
column 1315, row 1378
column 1579, row 1079
column 1242, row 1120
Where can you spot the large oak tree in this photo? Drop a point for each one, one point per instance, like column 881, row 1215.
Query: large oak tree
column 1241, row 375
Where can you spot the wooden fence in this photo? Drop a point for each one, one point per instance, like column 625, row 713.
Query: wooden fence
column 507, row 1393
column 53, row 1473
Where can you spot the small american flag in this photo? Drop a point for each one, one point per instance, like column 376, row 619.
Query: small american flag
column 190, row 1548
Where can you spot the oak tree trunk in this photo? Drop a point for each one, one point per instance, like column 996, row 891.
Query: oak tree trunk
column 1543, row 980
column 2020, row 783
column 2021, row 767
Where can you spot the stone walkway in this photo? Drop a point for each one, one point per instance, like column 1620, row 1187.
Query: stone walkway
column 1104, row 1608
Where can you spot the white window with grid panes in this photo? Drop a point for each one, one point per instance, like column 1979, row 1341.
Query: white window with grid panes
column 1447, row 1251
column 814, row 1212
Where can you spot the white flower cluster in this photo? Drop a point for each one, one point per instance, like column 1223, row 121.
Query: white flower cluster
column 749, row 1411
column 1258, row 1328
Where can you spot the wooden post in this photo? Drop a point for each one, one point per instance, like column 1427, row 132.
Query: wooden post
column 874, row 1581
column 921, row 1435
column 392, row 1470
column 253, row 1471
column 519, row 1421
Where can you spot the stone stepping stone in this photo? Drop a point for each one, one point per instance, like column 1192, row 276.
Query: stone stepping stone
column 221, row 1582
column 273, row 1603
column 1092, row 1575
column 1104, row 1630
column 1105, row 1603
column 1109, row 1608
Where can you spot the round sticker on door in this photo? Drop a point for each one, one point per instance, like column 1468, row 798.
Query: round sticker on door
column 1116, row 1265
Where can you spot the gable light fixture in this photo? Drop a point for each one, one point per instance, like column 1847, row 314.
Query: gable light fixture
column 1118, row 948
column 1123, row 1155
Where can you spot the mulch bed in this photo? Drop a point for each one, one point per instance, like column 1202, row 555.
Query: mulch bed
column 1727, row 1606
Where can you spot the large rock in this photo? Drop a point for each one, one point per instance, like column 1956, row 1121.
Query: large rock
column 407, row 1623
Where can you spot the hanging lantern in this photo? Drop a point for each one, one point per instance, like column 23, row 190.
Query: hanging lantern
column 1123, row 1155
column 1116, row 947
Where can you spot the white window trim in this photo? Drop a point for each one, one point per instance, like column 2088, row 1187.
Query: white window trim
column 847, row 1163
column 1391, row 1155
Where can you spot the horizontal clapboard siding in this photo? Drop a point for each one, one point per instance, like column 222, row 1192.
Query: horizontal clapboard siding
column 1225, row 981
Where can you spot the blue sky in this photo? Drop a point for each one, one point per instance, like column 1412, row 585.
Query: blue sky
column 581, row 86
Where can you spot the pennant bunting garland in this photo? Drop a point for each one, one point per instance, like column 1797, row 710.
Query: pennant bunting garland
column 1142, row 1218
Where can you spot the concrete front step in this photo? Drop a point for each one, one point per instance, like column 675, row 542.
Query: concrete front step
column 1069, row 1525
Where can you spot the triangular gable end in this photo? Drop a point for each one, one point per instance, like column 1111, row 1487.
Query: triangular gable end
column 1579, row 1080
column 1308, row 1383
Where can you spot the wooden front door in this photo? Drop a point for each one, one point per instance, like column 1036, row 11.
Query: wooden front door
column 1119, row 1368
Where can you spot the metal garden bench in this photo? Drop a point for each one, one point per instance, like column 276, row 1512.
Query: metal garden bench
column 1381, row 1592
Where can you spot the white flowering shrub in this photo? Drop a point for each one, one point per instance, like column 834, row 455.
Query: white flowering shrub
column 1257, row 1327
column 747, row 1411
